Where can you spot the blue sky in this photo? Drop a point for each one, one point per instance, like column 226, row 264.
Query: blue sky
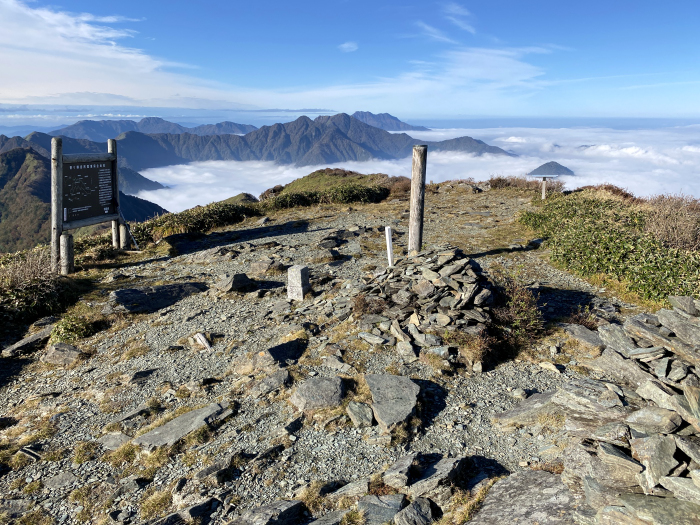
column 417, row 60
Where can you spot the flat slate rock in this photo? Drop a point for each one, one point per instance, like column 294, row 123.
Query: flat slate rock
column 61, row 354
column 278, row 513
column 113, row 441
column 393, row 398
column 379, row 510
column 152, row 298
column 318, row 392
column 661, row 511
column 174, row 430
column 332, row 518
column 28, row 343
column 61, row 480
column 530, row 497
column 419, row 512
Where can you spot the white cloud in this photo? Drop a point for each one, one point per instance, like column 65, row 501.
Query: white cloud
column 458, row 15
column 348, row 47
column 646, row 162
column 88, row 62
column 434, row 33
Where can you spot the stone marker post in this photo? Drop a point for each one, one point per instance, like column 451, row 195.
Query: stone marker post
column 297, row 282
column 415, row 221
column 389, row 246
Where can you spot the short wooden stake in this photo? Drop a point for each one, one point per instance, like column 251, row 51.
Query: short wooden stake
column 544, row 187
column 56, row 202
column 123, row 237
column 389, row 246
column 415, row 224
column 67, row 254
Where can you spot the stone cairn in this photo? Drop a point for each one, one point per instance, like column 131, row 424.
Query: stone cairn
column 633, row 445
column 435, row 291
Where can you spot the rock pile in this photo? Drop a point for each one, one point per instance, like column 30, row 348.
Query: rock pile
column 633, row 448
column 435, row 291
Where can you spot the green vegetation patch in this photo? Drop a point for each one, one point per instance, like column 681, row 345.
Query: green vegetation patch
column 592, row 234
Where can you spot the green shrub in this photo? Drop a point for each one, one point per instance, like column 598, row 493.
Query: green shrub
column 70, row 329
column 592, row 235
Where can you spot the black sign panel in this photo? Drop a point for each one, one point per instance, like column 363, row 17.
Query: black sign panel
column 89, row 190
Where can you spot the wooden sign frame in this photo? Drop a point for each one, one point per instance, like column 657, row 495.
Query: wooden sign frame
column 62, row 243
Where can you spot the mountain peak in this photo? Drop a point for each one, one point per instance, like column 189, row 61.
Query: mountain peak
column 385, row 121
column 551, row 169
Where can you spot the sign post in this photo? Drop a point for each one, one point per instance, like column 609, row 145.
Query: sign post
column 84, row 191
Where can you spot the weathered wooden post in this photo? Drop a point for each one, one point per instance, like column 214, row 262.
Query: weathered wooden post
column 123, row 236
column 67, row 254
column 544, row 187
column 389, row 246
column 116, row 244
column 415, row 222
column 56, row 202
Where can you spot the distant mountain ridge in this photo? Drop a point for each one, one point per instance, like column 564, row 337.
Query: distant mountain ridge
column 25, row 200
column 385, row 121
column 101, row 130
column 303, row 142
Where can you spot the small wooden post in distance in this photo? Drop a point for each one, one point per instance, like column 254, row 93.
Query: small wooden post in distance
column 56, row 202
column 389, row 246
column 116, row 244
column 415, row 224
column 544, row 187
column 67, row 254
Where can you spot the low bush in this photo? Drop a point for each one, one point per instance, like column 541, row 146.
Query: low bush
column 523, row 183
column 594, row 232
column 28, row 288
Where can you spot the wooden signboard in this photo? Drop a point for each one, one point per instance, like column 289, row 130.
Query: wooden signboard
column 84, row 191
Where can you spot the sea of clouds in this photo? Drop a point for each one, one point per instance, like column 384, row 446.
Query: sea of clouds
column 646, row 162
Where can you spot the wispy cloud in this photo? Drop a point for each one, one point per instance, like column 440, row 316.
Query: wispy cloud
column 434, row 33
column 348, row 47
column 92, row 66
column 459, row 16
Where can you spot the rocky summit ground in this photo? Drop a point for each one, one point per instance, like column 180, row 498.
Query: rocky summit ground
column 208, row 396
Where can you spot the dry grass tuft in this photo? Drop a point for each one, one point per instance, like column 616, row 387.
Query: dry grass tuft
column 554, row 468
column 354, row 517
column 675, row 221
column 377, row 487
column 522, row 183
column 312, row 497
column 85, row 451
column 584, row 317
column 155, row 504
column 361, row 304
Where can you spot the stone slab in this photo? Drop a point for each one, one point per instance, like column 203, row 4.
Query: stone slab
column 174, row 430
column 393, row 399
column 151, row 298
column 529, row 497
column 28, row 343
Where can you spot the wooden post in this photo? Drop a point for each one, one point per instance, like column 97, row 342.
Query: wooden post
column 116, row 244
column 544, row 187
column 67, row 254
column 415, row 224
column 389, row 246
column 123, row 236
column 56, row 201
